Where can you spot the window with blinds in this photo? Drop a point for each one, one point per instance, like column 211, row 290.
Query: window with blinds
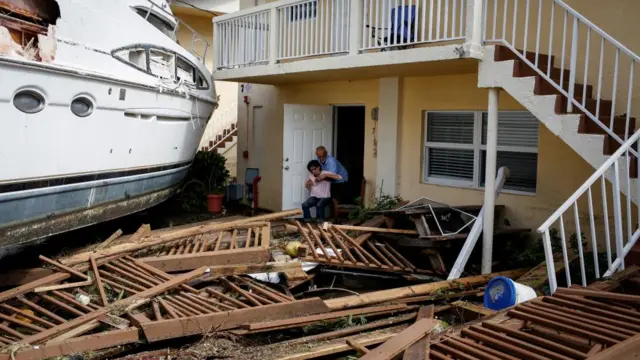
column 455, row 148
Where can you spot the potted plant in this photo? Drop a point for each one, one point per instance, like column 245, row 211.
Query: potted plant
column 210, row 177
column 215, row 196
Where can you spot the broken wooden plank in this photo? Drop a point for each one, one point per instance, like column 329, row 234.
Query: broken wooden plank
column 23, row 289
column 340, row 346
column 357, row 347
column 419, row 350
column 23, row 276
column 176, row 235
column 628, row 349
column 105, row 244
column 172, row 328
column 218, row 271
column 415, row 290
column 185, row 262
column 77, row 345
column 353, row 329
column 96, row 274
column 375, row 230
column 63, row 286
column 599, row 294
column 302, row 321
column 64, row 268
column 396, row 345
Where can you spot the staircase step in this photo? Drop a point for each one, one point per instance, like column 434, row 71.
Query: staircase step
column 590, row 105
column 521, row 69
column 543, row 87
column 588, row 126
column 503, row 53
column 633, row 256
column 611, row 145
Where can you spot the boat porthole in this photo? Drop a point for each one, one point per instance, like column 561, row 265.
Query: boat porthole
column 29, row 101
column 82, row 106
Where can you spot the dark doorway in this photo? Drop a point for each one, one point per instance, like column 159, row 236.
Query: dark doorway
column 349, row 128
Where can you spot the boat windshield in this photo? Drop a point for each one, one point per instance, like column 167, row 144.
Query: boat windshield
column 164, row 26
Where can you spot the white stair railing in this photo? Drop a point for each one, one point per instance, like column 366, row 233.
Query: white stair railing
column 582, row 53
column 626, row 230
column 222, row 119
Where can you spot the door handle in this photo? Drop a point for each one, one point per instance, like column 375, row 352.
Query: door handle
column 286, row 167
column 286, row 159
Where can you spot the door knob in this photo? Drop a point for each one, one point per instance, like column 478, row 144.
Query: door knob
column 286, row 159
column 286, row 168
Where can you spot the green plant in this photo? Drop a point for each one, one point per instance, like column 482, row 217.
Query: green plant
column 208, row 175
column 381, row 203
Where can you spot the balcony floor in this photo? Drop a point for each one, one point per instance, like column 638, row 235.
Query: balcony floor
column 422, row 61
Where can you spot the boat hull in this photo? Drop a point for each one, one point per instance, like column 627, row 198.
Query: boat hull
column 59, row 171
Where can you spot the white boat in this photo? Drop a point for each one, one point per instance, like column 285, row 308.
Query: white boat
column 101, row 112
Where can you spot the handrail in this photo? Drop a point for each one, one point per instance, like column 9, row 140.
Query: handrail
column 624, row 241
column 573, row 58
column 592, row 179
column 597, row 29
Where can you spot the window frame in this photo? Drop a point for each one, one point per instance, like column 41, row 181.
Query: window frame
column 477, row 148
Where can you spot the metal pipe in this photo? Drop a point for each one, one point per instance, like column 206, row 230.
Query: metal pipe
column 474, row 234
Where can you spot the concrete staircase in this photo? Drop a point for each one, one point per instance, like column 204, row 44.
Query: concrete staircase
column 504, row 69
column 223, row 141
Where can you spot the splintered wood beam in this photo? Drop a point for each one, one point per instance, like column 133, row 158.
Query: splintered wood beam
column 403, row 340
column 375, row 297
column 105, row 244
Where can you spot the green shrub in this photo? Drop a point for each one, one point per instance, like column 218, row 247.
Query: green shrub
column 208, row 175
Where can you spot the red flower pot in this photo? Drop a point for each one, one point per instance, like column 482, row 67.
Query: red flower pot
column 214, row 203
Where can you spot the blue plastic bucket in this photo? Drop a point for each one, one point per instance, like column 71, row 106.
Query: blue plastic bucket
column 502, row 292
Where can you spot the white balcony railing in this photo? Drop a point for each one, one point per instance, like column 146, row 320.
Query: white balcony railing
column 422, row 21
column 293, row 29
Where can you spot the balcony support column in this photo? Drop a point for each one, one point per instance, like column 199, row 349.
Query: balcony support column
column 273, row 36
column 356, row 14
column 490, row 180
column 388, row 136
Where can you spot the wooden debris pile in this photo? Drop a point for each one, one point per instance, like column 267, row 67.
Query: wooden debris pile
column 212, row 278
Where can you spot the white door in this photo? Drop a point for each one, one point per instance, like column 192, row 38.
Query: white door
column 305, row 128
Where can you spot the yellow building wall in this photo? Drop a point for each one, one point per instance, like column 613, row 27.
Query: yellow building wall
column 459, row 92
column 560, row 170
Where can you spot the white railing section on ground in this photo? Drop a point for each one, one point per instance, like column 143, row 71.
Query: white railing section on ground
column 626, row 230
column 393, row 23
column 583, row 53
column 243, row 41
column 313, row 27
